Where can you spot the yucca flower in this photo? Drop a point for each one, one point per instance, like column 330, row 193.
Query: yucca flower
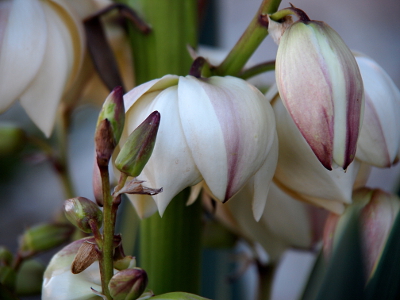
column 219, row 129
column 42, row 46
column 321, row 87
column 379, row 140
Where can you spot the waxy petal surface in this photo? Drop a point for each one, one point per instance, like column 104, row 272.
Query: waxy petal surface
column 321, row 87
column 229, row 128
column 379, row 140
column 23, row 46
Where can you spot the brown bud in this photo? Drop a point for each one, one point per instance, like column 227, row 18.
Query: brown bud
column 135, row 186
column 87, row 254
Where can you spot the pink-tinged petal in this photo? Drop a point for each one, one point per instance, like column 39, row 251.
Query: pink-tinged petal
column 171, row 165
column 229, row 127
column 320, row 84
column 40, row 100
column 379, row 140
column 300, row 171
column 262, row 180
column 23, row 46
column 155, row 85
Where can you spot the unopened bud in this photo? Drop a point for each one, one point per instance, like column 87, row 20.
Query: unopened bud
column 97, row 185
column 128, row 284
column 138, row 148
column 110, row 125
column 6, row 256
column 79, row 211
column 12, row 139
column 8, row 277
column 44, row 237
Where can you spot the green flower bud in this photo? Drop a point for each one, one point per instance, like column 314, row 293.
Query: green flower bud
column 6, row 256
column 138, row 148
column 128, row 284
column 44, row 237
column 12, row 139
column 79, row 211
column 110, row 125
column 8, row 277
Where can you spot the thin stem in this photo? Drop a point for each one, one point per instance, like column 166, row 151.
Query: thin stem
column 290, row 11
column 257, row 69
column 249, row 41
column 106, row 262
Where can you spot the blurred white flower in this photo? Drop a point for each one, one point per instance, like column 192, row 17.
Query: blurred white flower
column 42, row 46
column 220, row 129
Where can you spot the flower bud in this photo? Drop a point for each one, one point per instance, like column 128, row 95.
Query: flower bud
column 79, row 211
column 110, row 125
column 8, row 277
column 138, row 148
column 12, row 139
column 321, row 87
column 128, row 284
column 44, row 237
column 6, row 256
column 378, row 211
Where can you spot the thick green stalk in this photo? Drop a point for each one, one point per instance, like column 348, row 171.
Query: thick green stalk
column 249, row 41
column 171, row 247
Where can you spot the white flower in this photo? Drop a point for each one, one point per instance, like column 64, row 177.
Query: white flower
column 321, row 87
column 42, row 46
column 379, row 140
column 220, row 129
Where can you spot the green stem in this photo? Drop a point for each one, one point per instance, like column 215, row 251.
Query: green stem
column 249, row 41
column 171, row 247
column 257, row 69
column 106, row 261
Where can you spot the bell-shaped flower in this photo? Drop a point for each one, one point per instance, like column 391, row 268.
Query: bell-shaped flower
column 42, row 45
column 220, row 129
column 285, row 222
column 300, row 174
column 379, row 140
column 60, row 283
column 321, row 87
column 378, row 212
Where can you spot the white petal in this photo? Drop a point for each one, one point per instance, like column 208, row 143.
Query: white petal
column 299, row 169
column 144, row 205
column 379, row 140
column 23, row 45
column 229, row 128
column 262, row 180
column 171, row 165
column 154, row 85
column 41, row 98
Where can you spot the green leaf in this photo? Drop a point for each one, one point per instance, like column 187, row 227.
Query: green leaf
column 385, row 283
column 315, row 278
column 178, row 296
column 344, row 277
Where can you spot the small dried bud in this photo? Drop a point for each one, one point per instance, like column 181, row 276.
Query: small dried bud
column 138, row 148
column 44, row 237
column 135, row 186
column 87, row 254
column 110, row 125
column 80, row 210
column 128, row 284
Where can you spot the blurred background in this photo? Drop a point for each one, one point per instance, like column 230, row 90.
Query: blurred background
column 31, row 193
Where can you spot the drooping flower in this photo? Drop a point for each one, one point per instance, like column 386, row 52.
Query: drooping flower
column 220, row 129
column 42, row 46
column 321, row 87
column 378, row 212
column 300, row 174
column 379, row 140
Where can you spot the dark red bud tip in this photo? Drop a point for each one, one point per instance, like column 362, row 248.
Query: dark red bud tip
column 153, row 118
